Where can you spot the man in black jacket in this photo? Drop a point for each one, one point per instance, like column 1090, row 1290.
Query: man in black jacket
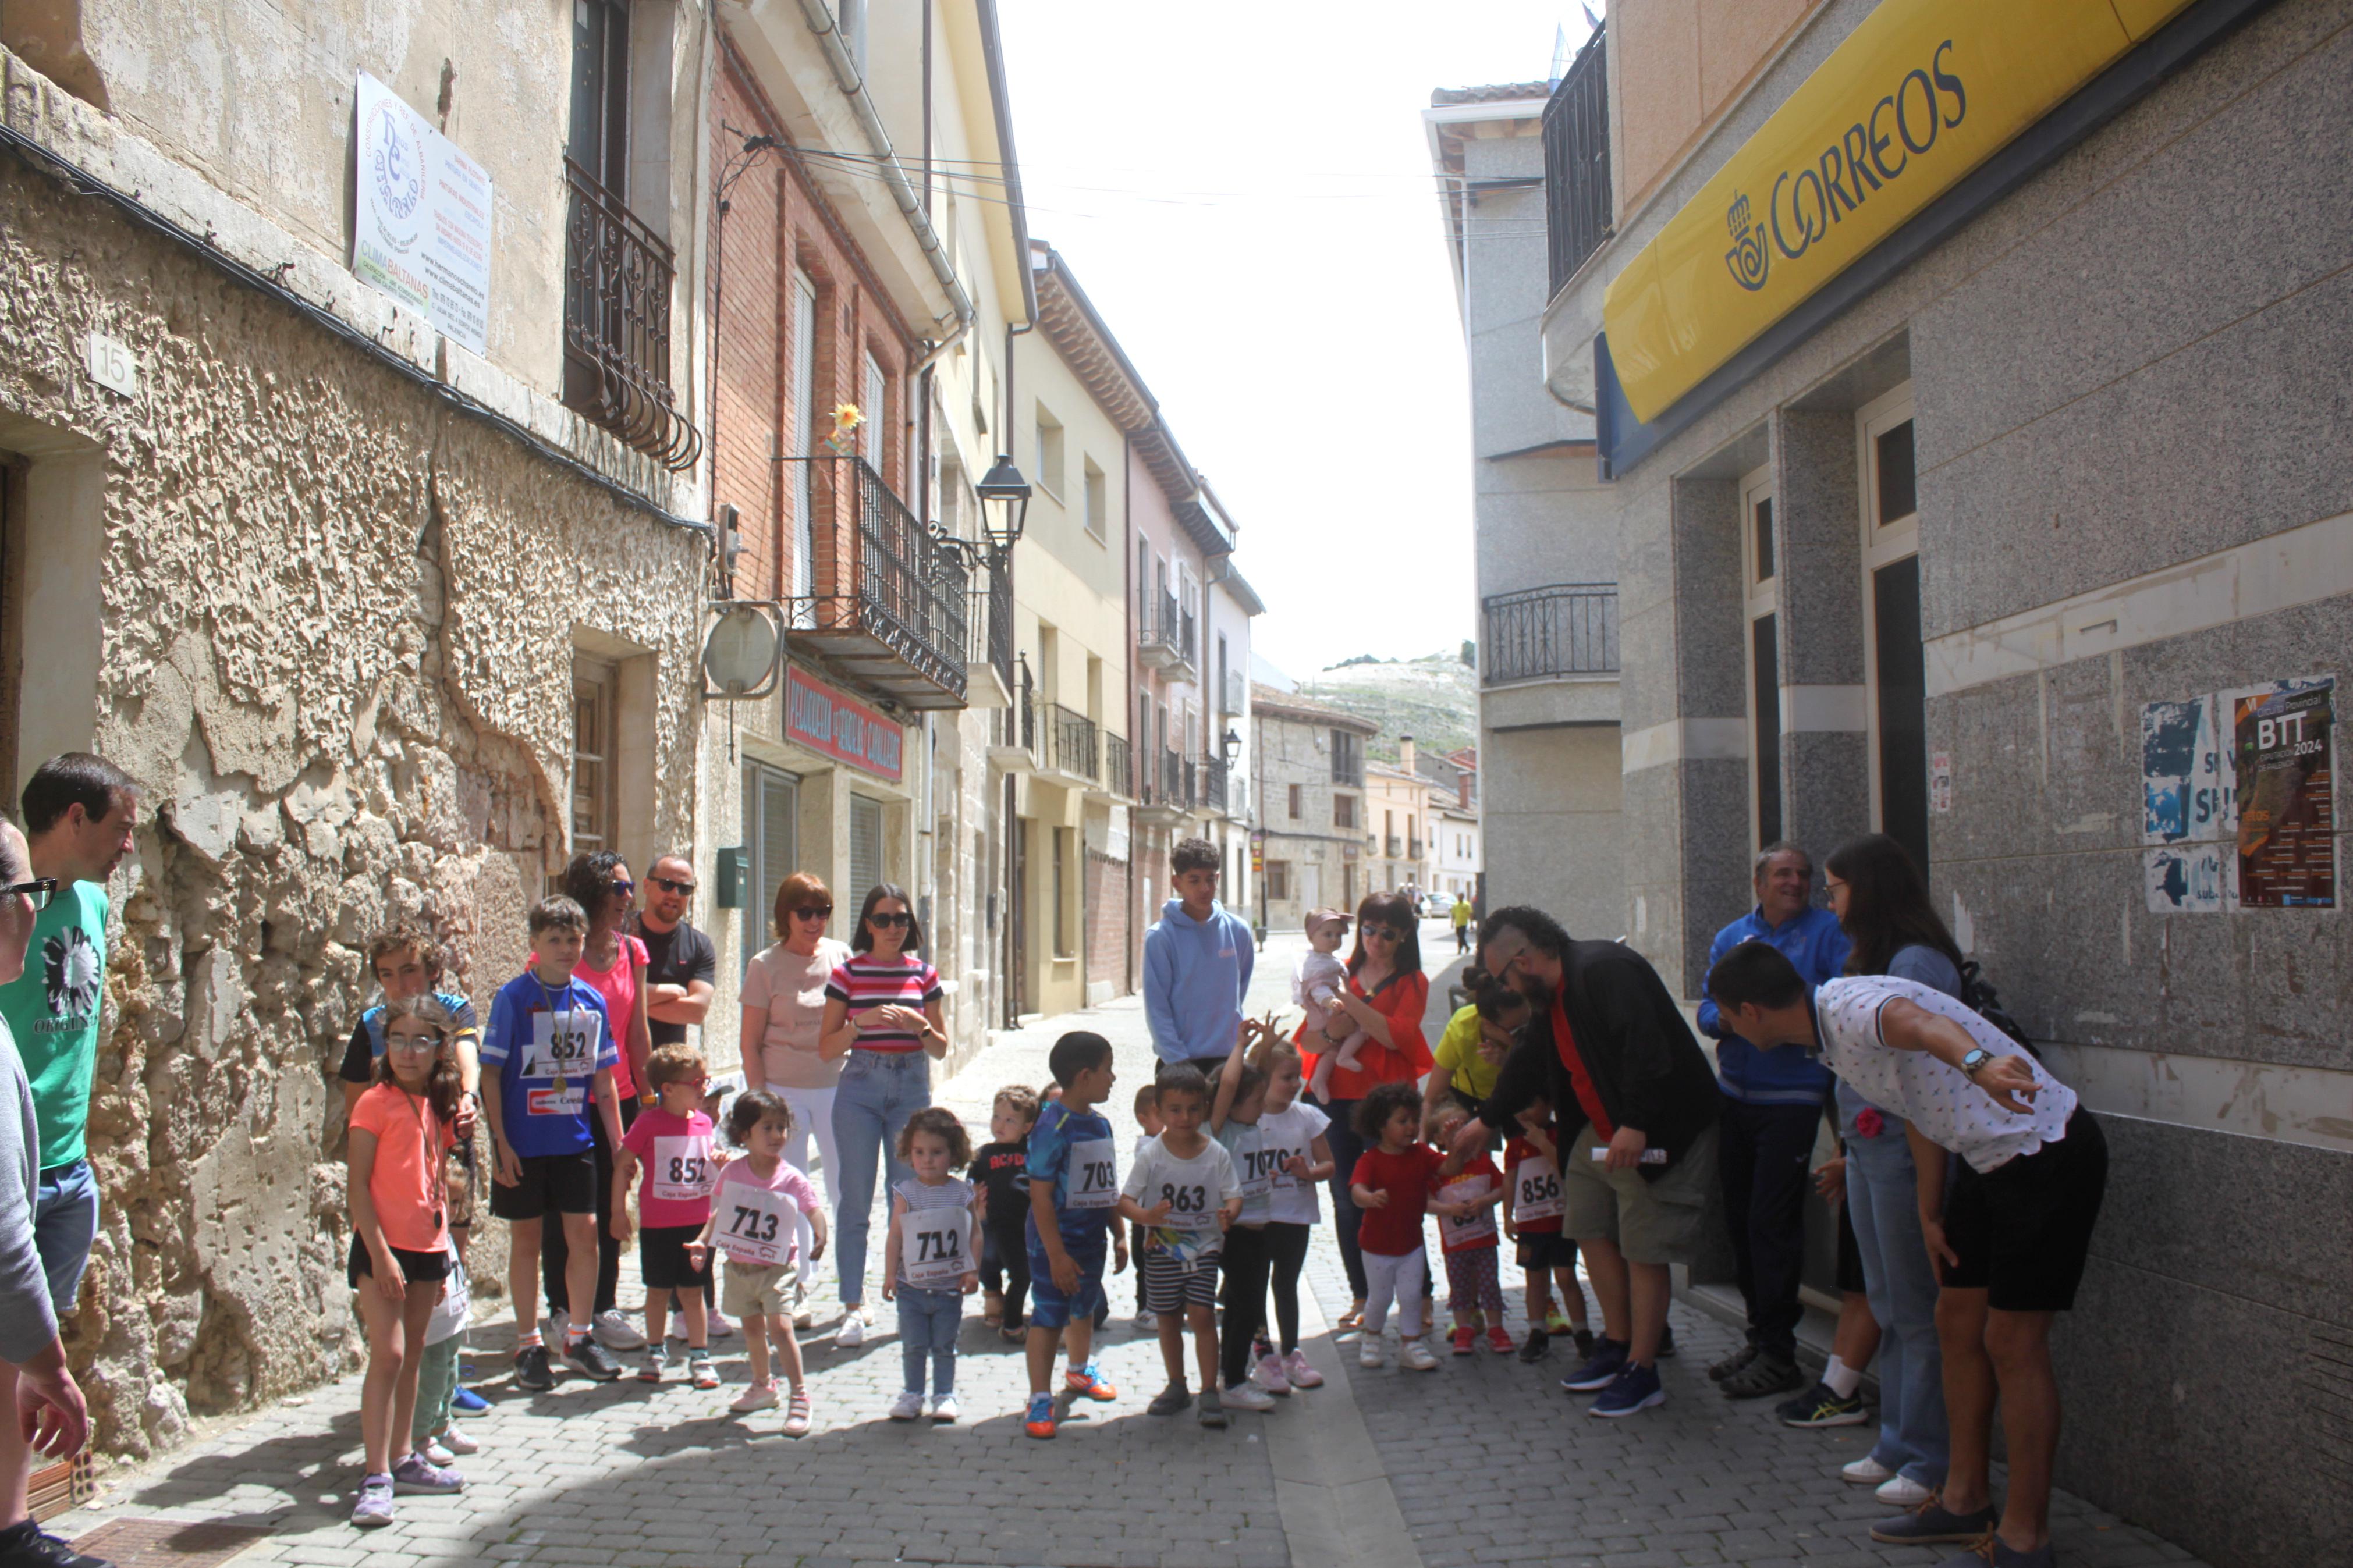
column 1635, row 1104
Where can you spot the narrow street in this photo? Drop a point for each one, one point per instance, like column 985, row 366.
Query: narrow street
column 1383, row 1468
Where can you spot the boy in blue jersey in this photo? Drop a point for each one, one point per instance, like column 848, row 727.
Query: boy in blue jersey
column 1073, row 1179
column 552, row 1054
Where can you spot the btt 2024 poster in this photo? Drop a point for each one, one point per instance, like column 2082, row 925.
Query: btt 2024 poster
column 2281, row 746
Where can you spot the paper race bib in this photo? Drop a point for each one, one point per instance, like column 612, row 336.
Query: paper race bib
column 1257, row 1170
column 1471, row 1230
column 935, row 1246
column 1092, row 1175
column 1189, row 1207
column 683, row 1170
column 563, row 1045
column 1536, row 1191
column 757, row 1224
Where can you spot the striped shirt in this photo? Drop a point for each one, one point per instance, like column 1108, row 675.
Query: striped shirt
column 953, row 1192
column 866, row 982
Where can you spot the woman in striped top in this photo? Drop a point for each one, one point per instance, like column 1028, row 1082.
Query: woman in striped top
column 883, row 1012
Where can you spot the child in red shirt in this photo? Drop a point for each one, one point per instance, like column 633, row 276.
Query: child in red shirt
column 672, row 1140
column 1465, row 1193
column 1391, row 1187
column 1532, row 1218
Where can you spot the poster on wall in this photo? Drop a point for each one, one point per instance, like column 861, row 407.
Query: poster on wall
column 2281, row 747
column 2187, row 788
column 421, row 222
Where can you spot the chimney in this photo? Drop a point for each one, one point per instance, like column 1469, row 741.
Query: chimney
column 1405, row 753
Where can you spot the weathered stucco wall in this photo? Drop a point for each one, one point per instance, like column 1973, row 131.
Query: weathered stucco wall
column 338, row 627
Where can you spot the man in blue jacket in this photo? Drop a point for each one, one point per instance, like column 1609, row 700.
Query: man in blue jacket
column 1772, row 1104
column 1196, row 964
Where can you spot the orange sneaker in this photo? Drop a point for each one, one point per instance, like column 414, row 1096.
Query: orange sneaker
column 1041, row 1420
column 1088, row 1380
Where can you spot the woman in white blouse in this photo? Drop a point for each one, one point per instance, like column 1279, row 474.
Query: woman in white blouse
column 784, row 1005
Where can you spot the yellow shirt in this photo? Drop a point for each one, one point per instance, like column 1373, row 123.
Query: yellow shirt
column 1462, row 913
column 1458, row 1053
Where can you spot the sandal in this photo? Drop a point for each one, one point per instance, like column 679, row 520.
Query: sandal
column 796, row 1413
column 1350, row 1321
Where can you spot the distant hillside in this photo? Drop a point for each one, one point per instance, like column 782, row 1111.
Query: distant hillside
column 1434, row 699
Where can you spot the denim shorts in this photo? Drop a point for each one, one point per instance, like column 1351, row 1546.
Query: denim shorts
column 65, row 1227
column 1048, row 1306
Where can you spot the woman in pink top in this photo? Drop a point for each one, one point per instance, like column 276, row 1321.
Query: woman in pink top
column 613, row 963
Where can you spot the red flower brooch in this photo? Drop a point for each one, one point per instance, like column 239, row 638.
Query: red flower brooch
column 1869, row 1123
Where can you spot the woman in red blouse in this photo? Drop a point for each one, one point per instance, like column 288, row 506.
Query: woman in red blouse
column 1385, row 998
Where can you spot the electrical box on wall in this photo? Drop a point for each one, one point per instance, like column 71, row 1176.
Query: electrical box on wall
column 734, row 870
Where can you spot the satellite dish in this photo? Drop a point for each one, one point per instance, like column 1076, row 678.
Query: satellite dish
column 740, row 654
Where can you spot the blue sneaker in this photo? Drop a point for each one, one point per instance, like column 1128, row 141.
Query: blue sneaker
column 1634, row 1388
column 466, row 1400
column 1039, row 1423
column 1608, row 1355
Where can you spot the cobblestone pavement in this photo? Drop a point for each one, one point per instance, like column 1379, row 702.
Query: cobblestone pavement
column 1483, row 1462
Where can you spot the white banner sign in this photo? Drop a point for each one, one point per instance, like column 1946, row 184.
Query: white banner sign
column 421, row 233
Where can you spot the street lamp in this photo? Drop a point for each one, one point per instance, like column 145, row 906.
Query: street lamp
column 1232, row 747
column 1003, row 503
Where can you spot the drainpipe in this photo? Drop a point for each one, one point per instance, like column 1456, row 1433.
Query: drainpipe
column 911, row 206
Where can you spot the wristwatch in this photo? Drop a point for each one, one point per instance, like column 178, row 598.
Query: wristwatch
column 1976, row 1060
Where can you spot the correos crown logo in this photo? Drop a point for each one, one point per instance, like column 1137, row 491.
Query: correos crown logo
column 1750, row 257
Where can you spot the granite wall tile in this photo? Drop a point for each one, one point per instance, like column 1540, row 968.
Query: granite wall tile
column 1818, row 558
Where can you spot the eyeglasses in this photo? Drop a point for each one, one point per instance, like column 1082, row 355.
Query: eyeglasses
column 814, row 913
column 671, row 884
column 889, row 922
column 36, row 891
column 414, row 1045
column 620, row 887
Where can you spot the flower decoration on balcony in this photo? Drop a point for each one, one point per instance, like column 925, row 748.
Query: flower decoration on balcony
column 846, row 419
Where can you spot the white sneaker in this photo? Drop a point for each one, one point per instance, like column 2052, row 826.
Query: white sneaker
column 1146, row 1323
column 1247, row 1396
column 458, row 1442
column 615, row 1332
column 852, row 1332
column 678, row 1330
column 908, row 1407
column 435, row 1450
column 1414, row 1356
column 1368, row 1351
column 1865, row 1472
column 944, row 1409
column 759, row 1396
column 558, row 1329
column 720, row 1328
column 1902, row 1491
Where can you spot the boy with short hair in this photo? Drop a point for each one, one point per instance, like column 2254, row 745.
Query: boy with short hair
column 1182, row 1188
column 1196, row 965
column 1074, row 1180
column 998, row 1165
column 554, row 1053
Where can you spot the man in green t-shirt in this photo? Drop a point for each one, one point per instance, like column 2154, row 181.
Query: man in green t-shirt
column 78, row 815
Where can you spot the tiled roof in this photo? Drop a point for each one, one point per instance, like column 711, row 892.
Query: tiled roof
column 1498, row 92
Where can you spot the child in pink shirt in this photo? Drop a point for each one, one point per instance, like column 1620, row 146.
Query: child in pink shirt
column 671, row 1141
column 756, row 1216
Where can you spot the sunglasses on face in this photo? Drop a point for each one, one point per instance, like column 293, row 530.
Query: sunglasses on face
column 814, row 913
column 1386, row 933
column 620, row 888
column 889, row 922
column 37, row 891
column 671, row 884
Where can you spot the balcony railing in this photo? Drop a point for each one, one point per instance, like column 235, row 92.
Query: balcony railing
column 1169, row 786
column 616, row 283
column 1070, row 740
column 1413, row 848
column 1539, row 633
column 893, row 608
column 1577, row 162
column 1117, row 775
column 1164, row 634
column 1213, row 782
column 990, row 618
column 1396, row 847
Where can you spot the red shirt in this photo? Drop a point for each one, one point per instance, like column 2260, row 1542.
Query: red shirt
column 1588, row 1097
column 1403, row 1060
column 1396, row 1230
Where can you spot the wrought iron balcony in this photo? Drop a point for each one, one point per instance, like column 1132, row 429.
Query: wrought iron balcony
column 990, row 618
column 1396, row 847
column 616, row 283
column 1543, row 634
column 1118, row 776
column 1413, row 848
column 892, row 602
column 1214, row 778
column 1577, row 162
column 1069, row 743
column 1164, row 634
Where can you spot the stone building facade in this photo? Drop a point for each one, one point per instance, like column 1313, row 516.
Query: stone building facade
column 1308, row 762
column 326, row 582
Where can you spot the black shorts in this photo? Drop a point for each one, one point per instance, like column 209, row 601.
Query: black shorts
column 661, row 1255
column 1850, row 1257
column 2024, row 1230
column 1546, row 1250
column 552, row 1183
column 416, row 1267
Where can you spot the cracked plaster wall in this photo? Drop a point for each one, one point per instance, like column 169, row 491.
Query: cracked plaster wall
column 338, row 627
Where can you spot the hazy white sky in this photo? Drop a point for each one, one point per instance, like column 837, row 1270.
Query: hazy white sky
column 1244, row 190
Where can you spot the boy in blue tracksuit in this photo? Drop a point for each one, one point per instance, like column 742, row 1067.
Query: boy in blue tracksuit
column 1772, row 1106
column 1196, row 964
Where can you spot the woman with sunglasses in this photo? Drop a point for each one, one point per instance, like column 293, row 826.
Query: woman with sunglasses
column 613, row 963
column 1386, row 996
column 881, row 1013
column 783, row 1019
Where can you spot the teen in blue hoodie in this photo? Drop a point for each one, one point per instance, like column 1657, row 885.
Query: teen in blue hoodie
column 1196, row 964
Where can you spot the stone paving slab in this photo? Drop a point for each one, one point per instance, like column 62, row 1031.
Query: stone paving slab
column 1483, row 1462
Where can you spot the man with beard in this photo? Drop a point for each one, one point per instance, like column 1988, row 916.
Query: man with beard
column 1636, row 1107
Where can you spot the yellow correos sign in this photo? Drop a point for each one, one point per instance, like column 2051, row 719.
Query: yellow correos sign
column 1918, row 95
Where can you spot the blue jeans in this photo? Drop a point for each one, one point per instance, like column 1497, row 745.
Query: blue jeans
column 1882, row 1202
column 879, row 1090
column 65, row 1227
column 928, row 1321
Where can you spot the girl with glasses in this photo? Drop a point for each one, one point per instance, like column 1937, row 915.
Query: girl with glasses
column 882, row 1014
column 783, row 1017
